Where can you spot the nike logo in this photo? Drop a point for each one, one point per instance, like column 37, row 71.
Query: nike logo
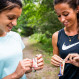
column 64, row 47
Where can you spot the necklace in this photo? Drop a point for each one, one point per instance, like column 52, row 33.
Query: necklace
column 70, row 38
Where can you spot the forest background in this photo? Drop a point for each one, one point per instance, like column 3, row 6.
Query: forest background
column 38, row 21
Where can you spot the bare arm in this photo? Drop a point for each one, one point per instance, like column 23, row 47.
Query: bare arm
column 56, row 59
column 54, row 43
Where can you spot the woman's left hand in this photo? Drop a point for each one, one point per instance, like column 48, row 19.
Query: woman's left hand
column 40, row 62
column 73, row 59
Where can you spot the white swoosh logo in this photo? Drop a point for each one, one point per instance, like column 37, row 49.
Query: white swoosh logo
column 64, row 47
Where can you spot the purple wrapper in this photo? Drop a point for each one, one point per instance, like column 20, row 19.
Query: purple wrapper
column 60, row 72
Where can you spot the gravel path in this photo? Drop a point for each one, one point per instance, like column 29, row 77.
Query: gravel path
column 48, row 72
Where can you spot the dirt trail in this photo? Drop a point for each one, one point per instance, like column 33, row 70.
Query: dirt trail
column 48, row 72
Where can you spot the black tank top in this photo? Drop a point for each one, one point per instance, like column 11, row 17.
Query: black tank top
column 65, row 47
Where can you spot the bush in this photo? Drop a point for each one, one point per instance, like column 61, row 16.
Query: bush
column 39, row 37
column 45, row 42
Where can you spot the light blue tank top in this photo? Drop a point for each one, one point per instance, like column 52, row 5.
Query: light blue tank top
column 11, row 47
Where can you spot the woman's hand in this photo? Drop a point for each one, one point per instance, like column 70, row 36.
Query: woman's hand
column 56, row 60
column 73, row 59
column 23, row 66
column 40, row 62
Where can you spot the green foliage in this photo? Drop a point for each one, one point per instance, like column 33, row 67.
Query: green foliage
column 22, row 23
column 38, row 18
column 41, row 38
column 39, row 15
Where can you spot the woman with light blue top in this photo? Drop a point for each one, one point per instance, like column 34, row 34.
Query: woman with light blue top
column 12, row 66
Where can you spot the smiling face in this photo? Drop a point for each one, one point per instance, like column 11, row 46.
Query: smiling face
column 8, row 19
column 66, row 15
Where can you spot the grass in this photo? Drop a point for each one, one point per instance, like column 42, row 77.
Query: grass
column 50, row 71
column 40, row 49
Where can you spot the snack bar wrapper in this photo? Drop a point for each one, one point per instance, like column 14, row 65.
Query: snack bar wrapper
column 34, row 65
column 62, row 65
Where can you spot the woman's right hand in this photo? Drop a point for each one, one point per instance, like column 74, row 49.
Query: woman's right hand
column 56, row 60
column 23, row 66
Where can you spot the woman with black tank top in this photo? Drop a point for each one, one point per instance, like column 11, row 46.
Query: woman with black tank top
column 66, row 41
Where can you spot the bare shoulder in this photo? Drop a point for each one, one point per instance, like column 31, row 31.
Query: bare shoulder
column 54, row 43
column 55, row 36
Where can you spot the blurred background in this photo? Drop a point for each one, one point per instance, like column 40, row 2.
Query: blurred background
column 36, row 25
